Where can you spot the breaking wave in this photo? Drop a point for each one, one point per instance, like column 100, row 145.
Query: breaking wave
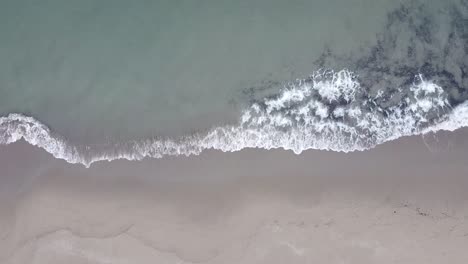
column 326, row 111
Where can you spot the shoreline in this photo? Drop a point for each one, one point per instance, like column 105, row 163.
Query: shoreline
column 293, row 208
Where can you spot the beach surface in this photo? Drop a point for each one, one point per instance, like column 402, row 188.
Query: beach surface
column 402, row 202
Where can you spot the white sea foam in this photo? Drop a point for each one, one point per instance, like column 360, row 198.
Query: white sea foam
column 328, row 111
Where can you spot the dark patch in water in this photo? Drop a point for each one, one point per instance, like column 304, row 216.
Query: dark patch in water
column 412, row 42
column 439, row 56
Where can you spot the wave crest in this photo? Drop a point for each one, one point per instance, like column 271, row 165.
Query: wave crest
column 327, row 111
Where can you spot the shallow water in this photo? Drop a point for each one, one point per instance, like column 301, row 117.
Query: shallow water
column 100, row 70
column 108, row 81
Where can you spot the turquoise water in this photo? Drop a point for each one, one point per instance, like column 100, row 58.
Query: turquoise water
column 102, row 70
column 101, row 80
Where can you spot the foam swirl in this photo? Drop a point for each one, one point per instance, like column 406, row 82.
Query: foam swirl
column 327, row 111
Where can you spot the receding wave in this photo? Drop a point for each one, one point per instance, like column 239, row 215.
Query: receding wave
column 326, row 111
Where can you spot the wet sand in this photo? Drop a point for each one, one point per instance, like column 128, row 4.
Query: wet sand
column 403, row 202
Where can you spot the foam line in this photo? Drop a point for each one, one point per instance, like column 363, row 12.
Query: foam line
column 327, row 111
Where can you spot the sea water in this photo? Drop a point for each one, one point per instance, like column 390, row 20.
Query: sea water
column 102, row 80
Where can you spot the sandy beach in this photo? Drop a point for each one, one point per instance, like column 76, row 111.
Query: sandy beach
column 403, row 202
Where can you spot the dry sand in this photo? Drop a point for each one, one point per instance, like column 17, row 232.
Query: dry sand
column 399, row 203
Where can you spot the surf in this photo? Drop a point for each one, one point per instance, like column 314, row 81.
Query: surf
column 326, row 111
